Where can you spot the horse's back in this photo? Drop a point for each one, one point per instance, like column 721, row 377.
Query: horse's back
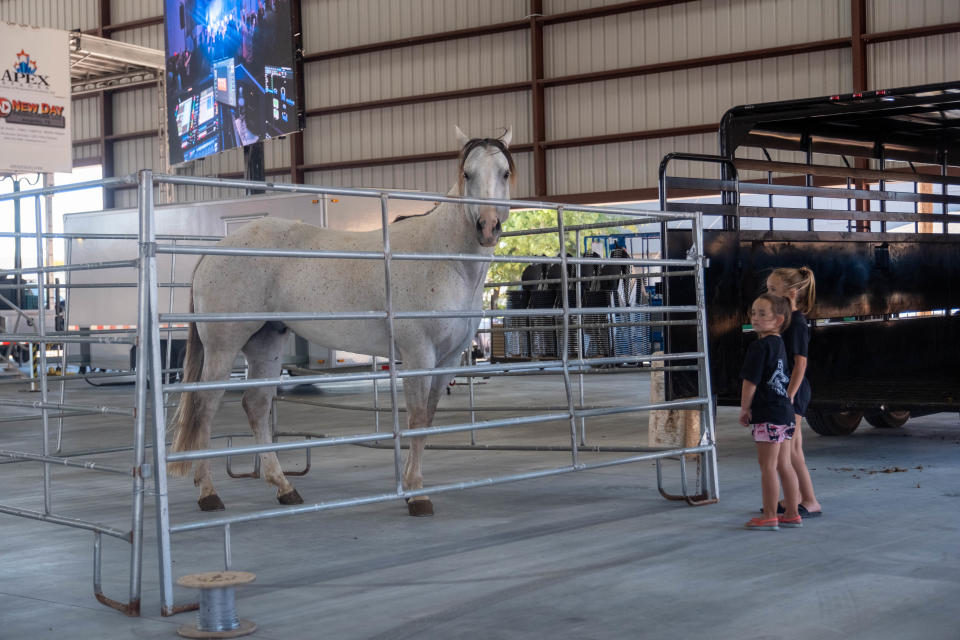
column 274, row 284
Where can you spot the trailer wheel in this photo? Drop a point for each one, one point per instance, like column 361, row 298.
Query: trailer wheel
column 886, row 419
column 833, row 423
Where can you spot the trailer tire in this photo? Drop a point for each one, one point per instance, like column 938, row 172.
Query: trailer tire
column 887, row 419
column 833, row 423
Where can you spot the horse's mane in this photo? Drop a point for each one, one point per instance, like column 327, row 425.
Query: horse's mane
column 416, row 215
column 467, row 149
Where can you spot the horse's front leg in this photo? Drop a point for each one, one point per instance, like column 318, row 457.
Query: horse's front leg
column 422, row 400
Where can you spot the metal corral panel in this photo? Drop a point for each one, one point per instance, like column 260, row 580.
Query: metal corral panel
column 85, row 118
column 191, row 193
column 149, row 36
column 136, row 110
column 691, row 96
column 891, row 15
column 914, row 61
column 339, row 24
column 414, row 129
column 55, row 14
column 433, row 68
column 130, row 10
column 689, row 30
column 434, row 177
column 230, row 161
column 101, row 305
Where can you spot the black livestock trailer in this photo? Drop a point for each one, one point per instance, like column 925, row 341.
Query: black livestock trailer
column 866, row 192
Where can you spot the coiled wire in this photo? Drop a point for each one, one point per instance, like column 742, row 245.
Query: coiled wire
column 217, row 610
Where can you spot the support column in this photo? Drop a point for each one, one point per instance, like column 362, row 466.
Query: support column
column 296, row 139
column 253, row 165
column 537, row 99
column 858, row 27
column 106, row 117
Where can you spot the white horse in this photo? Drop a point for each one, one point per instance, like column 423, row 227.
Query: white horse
column 229, row 284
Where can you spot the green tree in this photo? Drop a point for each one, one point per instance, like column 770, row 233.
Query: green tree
column 545, row 244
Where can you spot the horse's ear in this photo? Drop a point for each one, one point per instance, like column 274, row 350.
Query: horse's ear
column 507, row 137
column 462, row 138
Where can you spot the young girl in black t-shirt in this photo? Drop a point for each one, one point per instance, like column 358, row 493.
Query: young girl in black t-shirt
column 799, row 287
column 765, row 407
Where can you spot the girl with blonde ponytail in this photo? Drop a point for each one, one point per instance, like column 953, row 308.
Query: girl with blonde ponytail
column 799, row 287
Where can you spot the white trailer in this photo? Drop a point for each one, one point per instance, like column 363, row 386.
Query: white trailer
column 104, row 301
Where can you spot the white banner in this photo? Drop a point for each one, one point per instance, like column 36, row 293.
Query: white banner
column 34, row 100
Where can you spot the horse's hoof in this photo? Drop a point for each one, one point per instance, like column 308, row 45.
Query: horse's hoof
column 291, row 497
column 211, row 502
column 420, row 508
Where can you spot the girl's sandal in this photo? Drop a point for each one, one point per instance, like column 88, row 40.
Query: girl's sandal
column 759, row 524
column 794, row 522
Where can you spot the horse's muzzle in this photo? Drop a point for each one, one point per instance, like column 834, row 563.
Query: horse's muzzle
column 488, row 229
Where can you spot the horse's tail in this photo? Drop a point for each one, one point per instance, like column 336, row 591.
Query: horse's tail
column 186, row 431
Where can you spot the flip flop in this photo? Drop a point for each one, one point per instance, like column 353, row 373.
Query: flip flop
column 809, row 514
column 759, row 524
column 803, row 511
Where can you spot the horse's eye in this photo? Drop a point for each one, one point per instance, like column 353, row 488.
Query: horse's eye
column 466, row 176
column 506, row 175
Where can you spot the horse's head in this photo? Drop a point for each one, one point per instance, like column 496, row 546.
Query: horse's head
column 486, row 171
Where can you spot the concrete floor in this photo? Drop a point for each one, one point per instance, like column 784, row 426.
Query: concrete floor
column 595, row 554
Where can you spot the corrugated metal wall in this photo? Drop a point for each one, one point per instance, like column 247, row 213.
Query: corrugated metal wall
column 434, row 176
column 915, row 61
column 85, row 118
column 890, row 15
column 689, row 30
column 618, row 166
column 431, row 68
column 375, row 136
column 918, row 60
column 149, row 36
column 56, row 14
column 131, row 10
column 339, row 24
column 690, row 96
column 412, row 129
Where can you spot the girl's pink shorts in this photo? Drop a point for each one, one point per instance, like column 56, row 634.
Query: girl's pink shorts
column 767, row 432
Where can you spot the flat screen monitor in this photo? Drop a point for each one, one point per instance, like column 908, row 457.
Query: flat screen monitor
column 278, row 85
column 230, row 76
column 207, row 110
column 225, row 81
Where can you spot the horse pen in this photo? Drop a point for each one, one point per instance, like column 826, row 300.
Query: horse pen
column 558, row 430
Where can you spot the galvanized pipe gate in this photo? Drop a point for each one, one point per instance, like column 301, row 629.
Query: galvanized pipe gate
column 151, row 387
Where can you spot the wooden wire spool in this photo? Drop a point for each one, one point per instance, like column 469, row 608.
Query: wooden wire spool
column 217, row 614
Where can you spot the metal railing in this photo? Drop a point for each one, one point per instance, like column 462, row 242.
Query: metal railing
column 152, row 387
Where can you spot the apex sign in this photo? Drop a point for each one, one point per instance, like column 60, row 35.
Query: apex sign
column 25, row 73
column 35, row 119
